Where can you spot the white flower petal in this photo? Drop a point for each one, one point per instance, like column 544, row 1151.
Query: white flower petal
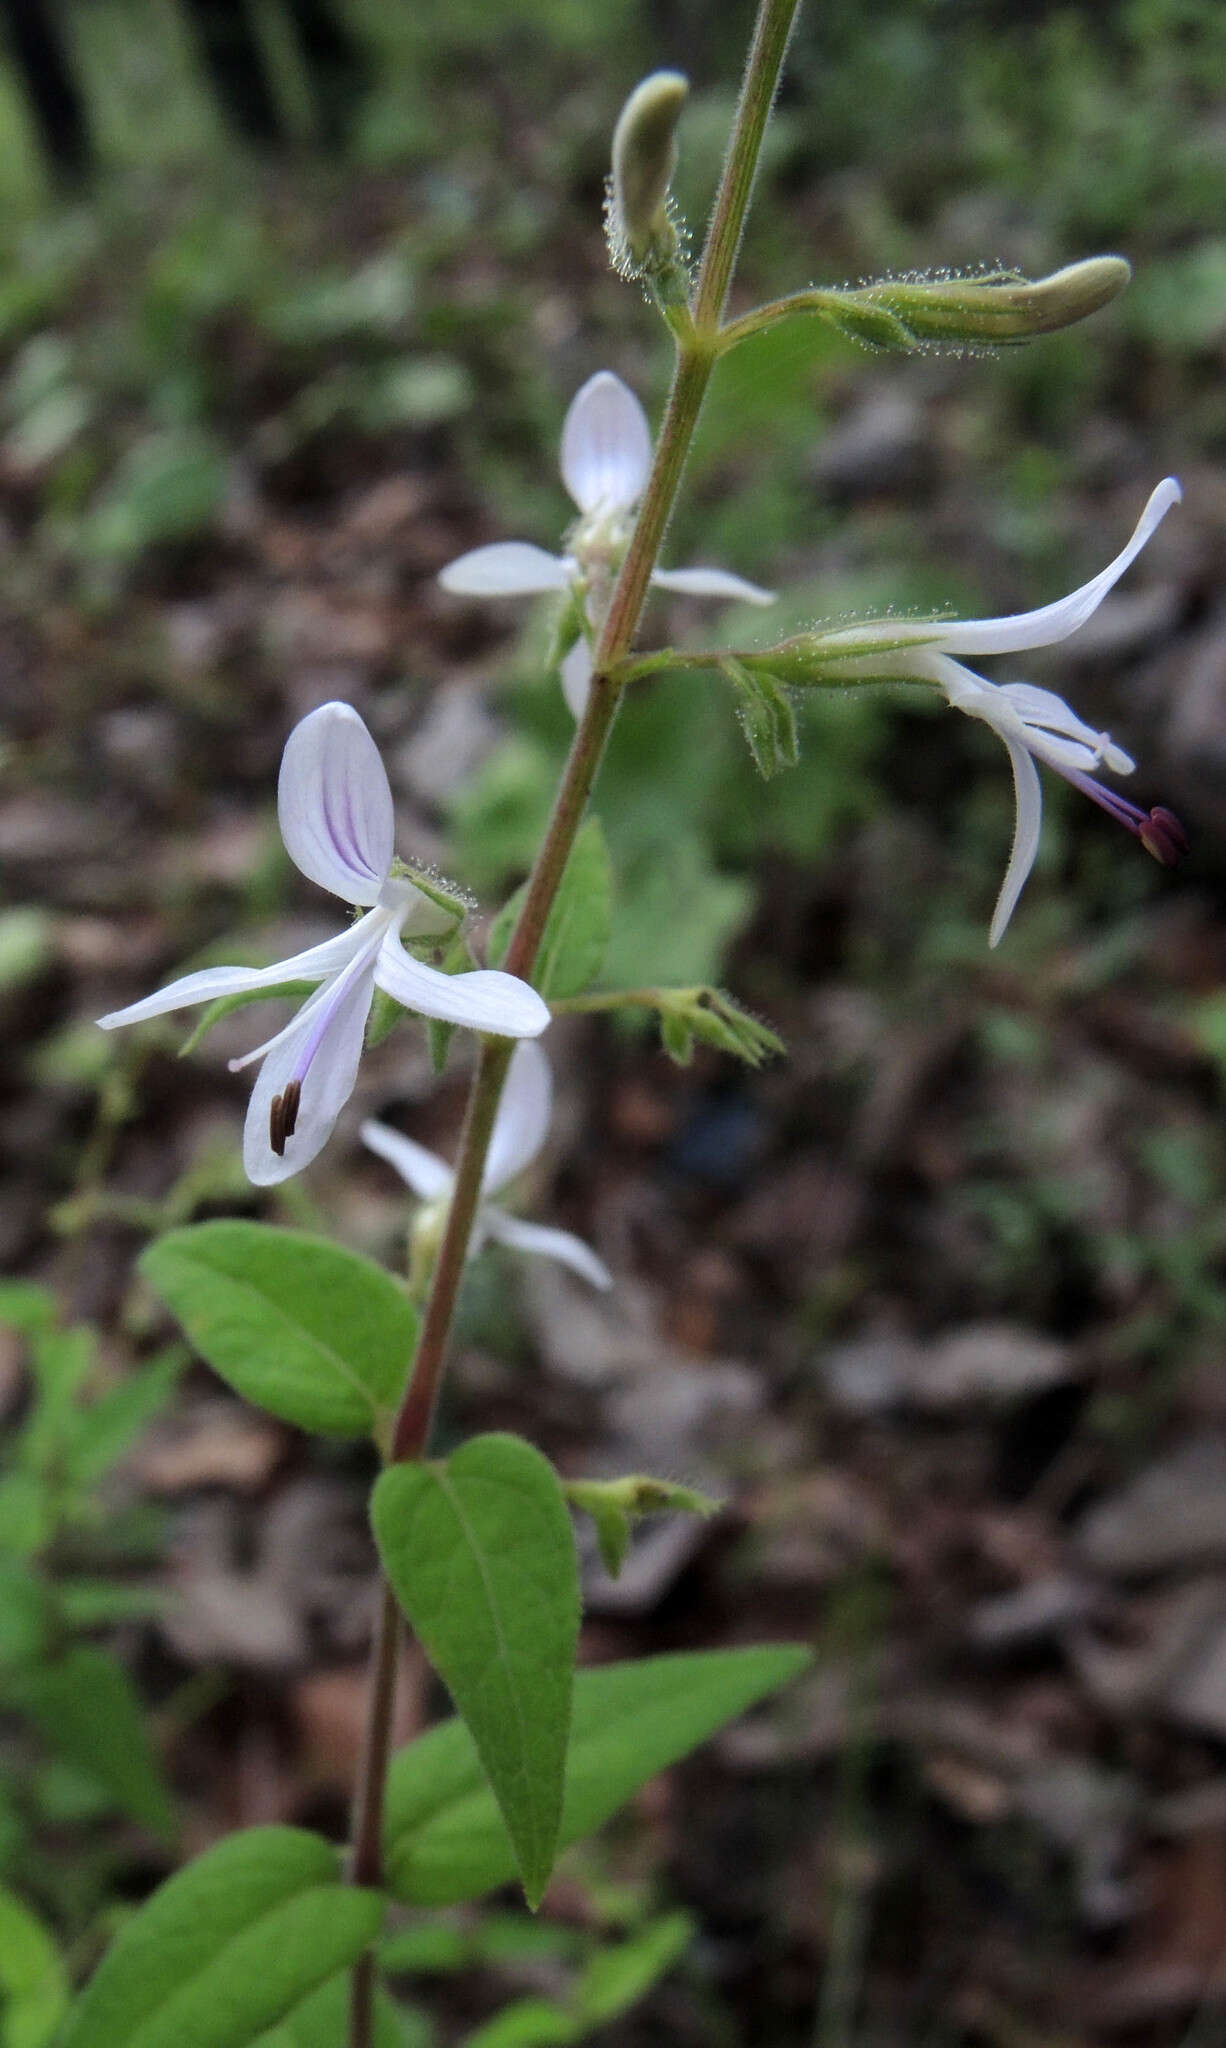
column 522, row 1123
column 507, row 568
column 1029, row 798
column 576, row 677
column 427, row 1175
column 712, row 583
column 1056, row 621
column 1044, row 710
column 321, row 1051
column 542, row 1242
column 334, row 804
column 1062, row 754
column 484, row 1000
column 606, row 446
column 209, row 983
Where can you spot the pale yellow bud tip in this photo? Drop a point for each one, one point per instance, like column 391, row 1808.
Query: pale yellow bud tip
column 1070, row 294
column 644, row 159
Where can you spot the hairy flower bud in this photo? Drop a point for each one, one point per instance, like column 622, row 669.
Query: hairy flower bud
column 959, row 312
column 641, row 234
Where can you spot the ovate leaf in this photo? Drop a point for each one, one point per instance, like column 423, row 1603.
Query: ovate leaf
column 299, row 1326
column 85, row 1706
column 577, row 931
column 322, row 2021
column 33, row 1988
column 618, row 1977
column 227, row 1948
column 481, row 1554
column 444, row 1840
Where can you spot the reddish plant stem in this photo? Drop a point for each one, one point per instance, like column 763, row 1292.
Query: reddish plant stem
column 696, row 358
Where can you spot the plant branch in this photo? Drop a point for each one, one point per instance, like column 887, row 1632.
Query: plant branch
column 696, row 357
column 765, row 62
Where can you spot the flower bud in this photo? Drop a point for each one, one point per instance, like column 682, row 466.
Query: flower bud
column 958, row 312
column 999, row 308
column 644, row 159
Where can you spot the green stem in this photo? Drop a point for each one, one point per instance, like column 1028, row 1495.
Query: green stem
column 695, row 361
column 765, row 62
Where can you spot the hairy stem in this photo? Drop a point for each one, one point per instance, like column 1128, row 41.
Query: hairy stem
column 696, row 358
column 772, row 31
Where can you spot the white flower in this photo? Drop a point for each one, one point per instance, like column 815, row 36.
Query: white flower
column 520, row 1129
column 1034, row 724
column 606, row 457
column 335, row 810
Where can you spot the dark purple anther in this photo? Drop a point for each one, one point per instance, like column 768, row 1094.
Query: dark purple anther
column 1162, row 835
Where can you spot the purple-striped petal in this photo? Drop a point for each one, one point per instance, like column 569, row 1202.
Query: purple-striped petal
column 335, row 806
column 319, row 1056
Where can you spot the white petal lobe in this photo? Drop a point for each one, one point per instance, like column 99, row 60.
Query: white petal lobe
column 507, row 568
column 540, row 1241
column 1056, row 621
column 483, row 1000
column 712, row 583
column 211, row 982
column 576, row 678
column 335, row 806
column 522, row 1123
column 428, row 1176
column 606, row 446
column 1027, row 821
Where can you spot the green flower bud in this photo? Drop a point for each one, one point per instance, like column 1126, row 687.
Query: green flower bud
column 641, row 234
column 959, row 312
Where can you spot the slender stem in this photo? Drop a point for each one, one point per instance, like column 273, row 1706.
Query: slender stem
column 417, row 1409
column 368, row 1805
column 765, row 62
column 696, row 357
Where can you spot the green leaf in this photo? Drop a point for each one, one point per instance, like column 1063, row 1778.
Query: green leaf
column 23, row 1613
column 767, row 716
column 25, row 1306
column 444, row 1840
column 33, row 1988
column 579, row 925
column 85, row 1706
column 481, row 1554
column 321, row 2021
column 228, row 1947
column 528, row 2023
column 617, row 1978
column 105, row 1429
column 282, row 991
column 100, row 1603
column 299, row 1326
